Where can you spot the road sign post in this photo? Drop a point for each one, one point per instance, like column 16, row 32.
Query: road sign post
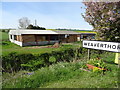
column 88, row 54
column 101, row 45
column 88, row 51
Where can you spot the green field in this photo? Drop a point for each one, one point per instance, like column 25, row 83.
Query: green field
column 86, row 32
column 4, row 36
column 11, row 47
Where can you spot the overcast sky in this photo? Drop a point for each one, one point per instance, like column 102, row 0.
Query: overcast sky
column 50, row 15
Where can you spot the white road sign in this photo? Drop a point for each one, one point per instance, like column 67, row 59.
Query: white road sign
column 101, row 45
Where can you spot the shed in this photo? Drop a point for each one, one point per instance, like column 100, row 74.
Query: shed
column 29, row 37
column 87, row 36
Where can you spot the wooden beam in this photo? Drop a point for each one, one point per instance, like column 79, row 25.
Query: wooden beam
column 36, row 39
column 49, row 38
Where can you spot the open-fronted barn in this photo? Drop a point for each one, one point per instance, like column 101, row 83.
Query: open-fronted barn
column 85, row 36
column 29, row 37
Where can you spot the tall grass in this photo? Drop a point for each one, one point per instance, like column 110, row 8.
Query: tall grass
column 60, row 71
column 64, row 75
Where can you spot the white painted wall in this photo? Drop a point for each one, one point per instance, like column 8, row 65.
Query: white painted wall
column 16, row 42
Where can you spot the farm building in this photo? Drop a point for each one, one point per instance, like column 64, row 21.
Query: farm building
column 84, row 36
column 29, row 37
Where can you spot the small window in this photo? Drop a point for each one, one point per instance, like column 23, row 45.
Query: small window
column 10, row 36
column 62, row 37
column 15, row 37
column 54, row 37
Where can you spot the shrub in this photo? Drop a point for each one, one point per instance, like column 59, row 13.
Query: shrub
column 4, row 43
column 58, row 55
column 33, row 65
column 52, row 59
column 96, row 53
column 14, row 61
column 45, row 58
column 3, row 30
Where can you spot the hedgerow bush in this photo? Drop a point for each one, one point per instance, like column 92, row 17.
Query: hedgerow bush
column 14, row 62
column 96, row 53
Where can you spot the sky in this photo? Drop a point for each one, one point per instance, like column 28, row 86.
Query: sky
column 51, row 15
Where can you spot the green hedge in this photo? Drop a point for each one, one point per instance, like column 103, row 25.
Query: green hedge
column 14, row 62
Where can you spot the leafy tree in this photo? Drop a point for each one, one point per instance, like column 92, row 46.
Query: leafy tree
column 30, row 26
column 105, row 19
column 35, row 27
column 24, row 22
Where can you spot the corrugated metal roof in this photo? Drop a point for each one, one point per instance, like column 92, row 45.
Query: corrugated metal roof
column 29, row 31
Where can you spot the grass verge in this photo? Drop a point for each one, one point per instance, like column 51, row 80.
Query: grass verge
column 66, row 75
column 11, row 47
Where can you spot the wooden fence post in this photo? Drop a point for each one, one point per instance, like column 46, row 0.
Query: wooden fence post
column 88, row 54
column 89, row 50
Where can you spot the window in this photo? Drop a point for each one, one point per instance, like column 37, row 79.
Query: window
column 10, row 36
column 62, row 37
column 46, row 37
column 53, row 37
column 15, row 37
